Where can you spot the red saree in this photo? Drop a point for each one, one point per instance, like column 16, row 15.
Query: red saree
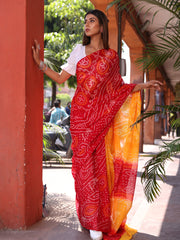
column 104, row 156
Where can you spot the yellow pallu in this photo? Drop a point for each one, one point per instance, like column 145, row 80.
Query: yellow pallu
column 122, row 149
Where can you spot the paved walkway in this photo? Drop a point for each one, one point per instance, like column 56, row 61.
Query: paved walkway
column 158, row 220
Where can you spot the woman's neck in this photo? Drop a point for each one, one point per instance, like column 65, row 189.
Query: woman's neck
column 96, row 43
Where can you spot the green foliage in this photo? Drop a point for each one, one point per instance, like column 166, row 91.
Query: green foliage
column 65, row 98
column 169, row 35
column 163, row 110
column 156, row 55
column 64, row 23
column 47, row 152
column 50, row 60
column 154, row 169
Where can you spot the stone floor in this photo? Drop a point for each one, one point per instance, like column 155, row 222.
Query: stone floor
column 158, row 220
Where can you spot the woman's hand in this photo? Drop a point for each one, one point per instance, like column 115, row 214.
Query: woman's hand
column 57, row 77
column 35, row 50
column 154, row 84
column 151, row 84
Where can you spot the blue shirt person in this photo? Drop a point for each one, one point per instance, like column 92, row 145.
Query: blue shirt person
column 57, row 114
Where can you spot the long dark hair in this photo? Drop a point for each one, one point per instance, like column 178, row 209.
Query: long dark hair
column 103, row 21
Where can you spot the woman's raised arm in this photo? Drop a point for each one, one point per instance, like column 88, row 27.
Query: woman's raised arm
column 57, row 77
column 151, row 84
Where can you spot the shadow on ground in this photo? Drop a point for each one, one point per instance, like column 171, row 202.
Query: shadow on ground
column 170, row 228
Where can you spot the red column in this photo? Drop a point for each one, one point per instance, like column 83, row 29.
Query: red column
column 137, row 75
column 149, row 125
column 21, row 97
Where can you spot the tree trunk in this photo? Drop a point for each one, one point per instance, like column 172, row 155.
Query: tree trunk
column 53, row 93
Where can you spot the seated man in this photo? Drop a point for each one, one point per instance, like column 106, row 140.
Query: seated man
column 57, row 114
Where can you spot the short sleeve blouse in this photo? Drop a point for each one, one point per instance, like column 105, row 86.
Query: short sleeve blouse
column 77, row 53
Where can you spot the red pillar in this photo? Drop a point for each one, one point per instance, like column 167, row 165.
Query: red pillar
column 149, row 124
column 137, row 75
column 21, row 97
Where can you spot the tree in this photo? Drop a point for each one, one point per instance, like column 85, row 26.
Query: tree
column 52, row 62
column 64, row 22
column 156, row 55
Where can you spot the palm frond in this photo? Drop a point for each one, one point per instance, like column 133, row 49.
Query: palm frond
column 154, row 169
column 111, row 4
column 169, row 5
column 172, row 6
column 50, row 60
column 162, row 110
column 156, row 55
column 56, row 129
column 121, row 4
column 48, row 153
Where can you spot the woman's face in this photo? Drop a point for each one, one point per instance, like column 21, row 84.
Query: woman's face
column 92, row 26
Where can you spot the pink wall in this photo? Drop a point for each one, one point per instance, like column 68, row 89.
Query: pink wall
column 21, row 99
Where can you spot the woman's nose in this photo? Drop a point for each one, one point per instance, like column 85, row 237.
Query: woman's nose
column 86, row 24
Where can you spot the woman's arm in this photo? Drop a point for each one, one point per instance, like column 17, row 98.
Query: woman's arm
column 57, row 77
column 151, row 84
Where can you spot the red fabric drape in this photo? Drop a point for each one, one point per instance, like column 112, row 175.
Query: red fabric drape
column 100, row 94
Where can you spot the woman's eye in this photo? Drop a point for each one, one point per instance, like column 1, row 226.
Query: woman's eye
column 91, row 21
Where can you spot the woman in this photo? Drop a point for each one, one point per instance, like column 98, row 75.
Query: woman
column 105, row 148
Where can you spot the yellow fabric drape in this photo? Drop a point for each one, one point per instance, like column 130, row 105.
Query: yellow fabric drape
column 122, row 149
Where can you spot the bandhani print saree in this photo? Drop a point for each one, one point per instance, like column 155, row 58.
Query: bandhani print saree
column 105, row 146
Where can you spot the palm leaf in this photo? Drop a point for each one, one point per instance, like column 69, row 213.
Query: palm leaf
column 157, row 55
column 162, row 110
column 47, row 126
column 47, row 152
column 154, row 169
column 171, row 6
column 50, row 60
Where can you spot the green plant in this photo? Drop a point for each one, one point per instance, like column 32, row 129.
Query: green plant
column 63, row 25
column 48, row 153
column 154, row 169
column 64, row 97
column 169, row 35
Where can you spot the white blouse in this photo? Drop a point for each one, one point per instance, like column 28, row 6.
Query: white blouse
column 77, row 53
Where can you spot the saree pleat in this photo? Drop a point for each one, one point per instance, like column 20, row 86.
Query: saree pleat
column 104, row 171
